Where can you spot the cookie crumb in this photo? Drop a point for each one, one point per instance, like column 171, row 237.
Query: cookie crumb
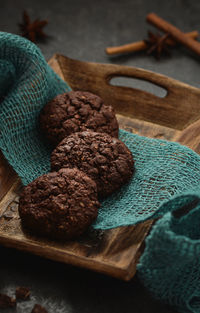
column 6, row 301
column 22, row 293
column 38, row 309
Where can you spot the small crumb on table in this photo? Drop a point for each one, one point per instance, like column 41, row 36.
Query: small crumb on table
column 39, row 309
column 6, row 301
column 22, row 293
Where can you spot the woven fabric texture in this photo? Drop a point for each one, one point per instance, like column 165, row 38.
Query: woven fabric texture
column 162, row 169
column 26, row 84
column 170, row 264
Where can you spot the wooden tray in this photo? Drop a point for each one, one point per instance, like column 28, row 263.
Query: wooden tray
column 175, row 117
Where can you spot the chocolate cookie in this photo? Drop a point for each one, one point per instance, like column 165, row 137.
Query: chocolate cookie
column 103, row 158
column 76, row 111
column 60, row 204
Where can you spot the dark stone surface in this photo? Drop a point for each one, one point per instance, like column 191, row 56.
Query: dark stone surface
column 61, row 288
column 82, row 30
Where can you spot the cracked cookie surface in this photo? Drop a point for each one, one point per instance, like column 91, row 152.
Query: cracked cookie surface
column 59, row 205
column 105, row 159
column 76, row 111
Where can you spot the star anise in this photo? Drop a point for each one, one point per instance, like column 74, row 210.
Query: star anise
column 157, row 44
column 32, row 30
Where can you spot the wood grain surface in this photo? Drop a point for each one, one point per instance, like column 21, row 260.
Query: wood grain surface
column 175, row 117
column 178, row 109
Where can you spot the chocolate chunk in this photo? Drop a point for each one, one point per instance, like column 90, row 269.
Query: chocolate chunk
column 76, row 111
column 103, row 158
column 38, row 309
column 59, row 205
column 22, row 293
column 6, row 301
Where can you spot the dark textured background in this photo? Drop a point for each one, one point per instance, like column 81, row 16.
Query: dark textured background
column 82, row 30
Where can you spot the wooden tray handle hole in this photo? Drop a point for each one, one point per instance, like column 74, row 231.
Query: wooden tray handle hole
column 138, row 84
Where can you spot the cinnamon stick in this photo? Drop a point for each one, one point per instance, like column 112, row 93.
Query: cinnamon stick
column 176, row 33
column 142, row 45
column 131, row 47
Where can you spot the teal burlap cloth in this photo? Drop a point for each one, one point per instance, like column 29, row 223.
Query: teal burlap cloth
column 169, row 266
column 26, row 84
